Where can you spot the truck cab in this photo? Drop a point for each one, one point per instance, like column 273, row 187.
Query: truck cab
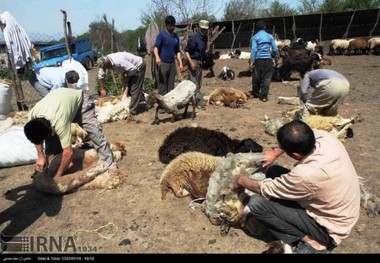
column 54, row 55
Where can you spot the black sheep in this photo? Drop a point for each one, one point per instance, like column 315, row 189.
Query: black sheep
column 300, row 65
column 203, row 140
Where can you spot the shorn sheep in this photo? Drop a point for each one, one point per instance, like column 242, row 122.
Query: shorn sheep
column 75, row 177
column 180, row 97
column 187, row 139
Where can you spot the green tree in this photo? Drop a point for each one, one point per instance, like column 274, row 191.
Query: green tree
column 242, row 9
column 362, row 4
column 276, row 9
column 306, row 7
column 331, row 6
column 189, row 11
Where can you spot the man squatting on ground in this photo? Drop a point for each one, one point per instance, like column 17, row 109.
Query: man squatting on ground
column 317, row 203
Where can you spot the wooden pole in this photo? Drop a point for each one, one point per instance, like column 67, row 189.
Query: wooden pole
column 16, row 81
column 320, row 28
column 67, row 34
column 349, row 25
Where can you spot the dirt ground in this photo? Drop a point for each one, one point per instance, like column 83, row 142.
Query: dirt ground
column 133, row 219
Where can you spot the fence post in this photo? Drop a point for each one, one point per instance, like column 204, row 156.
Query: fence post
column 377, row 21
column 349, row 25
column 17, row 87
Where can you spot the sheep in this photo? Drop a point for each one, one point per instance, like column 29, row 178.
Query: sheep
column 310, row 45
column 336, row 125
column 226, row 74
column 358, row 45
column 290, row 52
column 186, row 139
column 75, row 177
column 225, row 56
column 242, row 54
column 281, row 43
column 188, row 175
column 374, row 45
column 78, row 136
column 180, row 97
column 300, row 65
column 223, row 205
column 338, row 45
column 200, row 175
column 229, row 97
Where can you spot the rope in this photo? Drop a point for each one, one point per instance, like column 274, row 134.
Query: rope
column 98, row 230
column 193, row 202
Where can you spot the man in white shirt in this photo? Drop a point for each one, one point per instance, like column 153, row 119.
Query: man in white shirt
column 132, row 70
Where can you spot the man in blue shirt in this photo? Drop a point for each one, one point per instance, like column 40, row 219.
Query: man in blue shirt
column 165, row 50
column 49, row 78
column 195, row 51
column 263, row 45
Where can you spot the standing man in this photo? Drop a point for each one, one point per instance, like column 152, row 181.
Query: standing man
column 165, row 50
column 263, row 45
column 315, row 205
column 50, row 78
column 195, row 52
column 330, row 90
column 50, row 122
column 132, row 70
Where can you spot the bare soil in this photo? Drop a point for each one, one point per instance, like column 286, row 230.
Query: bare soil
column 133, row 219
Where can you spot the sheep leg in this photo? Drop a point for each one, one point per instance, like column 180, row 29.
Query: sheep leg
column 156, row 120
column 185, row 111
column 224, row 229
column 174, row 116
column 194, row 105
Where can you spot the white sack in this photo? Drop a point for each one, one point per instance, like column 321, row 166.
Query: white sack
column 15, row 148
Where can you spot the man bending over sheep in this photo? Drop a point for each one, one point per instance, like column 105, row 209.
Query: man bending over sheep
column 316, row 204
column 50, row 121
column 330, row 90
column 132, row 70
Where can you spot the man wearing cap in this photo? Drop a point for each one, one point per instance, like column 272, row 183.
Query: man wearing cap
column 132, row 70
column 195, row 51
column 166, row 49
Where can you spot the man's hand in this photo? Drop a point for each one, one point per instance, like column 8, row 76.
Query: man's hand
column 271, row 156
column 103, row 92
column 41, row 163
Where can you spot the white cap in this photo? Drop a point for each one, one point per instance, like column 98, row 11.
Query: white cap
column 204, row 24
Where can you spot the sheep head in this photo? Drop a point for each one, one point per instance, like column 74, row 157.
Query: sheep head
column 152, row 99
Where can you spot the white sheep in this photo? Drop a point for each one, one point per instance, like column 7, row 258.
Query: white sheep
column 280, row 43
column 114, row 109
column 339, row 45
column 180, row 97
column 374, row 45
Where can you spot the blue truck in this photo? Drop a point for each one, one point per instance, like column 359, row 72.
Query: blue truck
column 54, row 55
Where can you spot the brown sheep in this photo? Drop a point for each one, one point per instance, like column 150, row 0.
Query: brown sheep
column 229, row 97
column 359, row 46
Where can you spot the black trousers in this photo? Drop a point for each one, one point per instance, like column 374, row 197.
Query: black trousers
column 261, row 78
column 285, row 219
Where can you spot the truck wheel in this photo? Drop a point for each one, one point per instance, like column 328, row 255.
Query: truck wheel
column 88, row 63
